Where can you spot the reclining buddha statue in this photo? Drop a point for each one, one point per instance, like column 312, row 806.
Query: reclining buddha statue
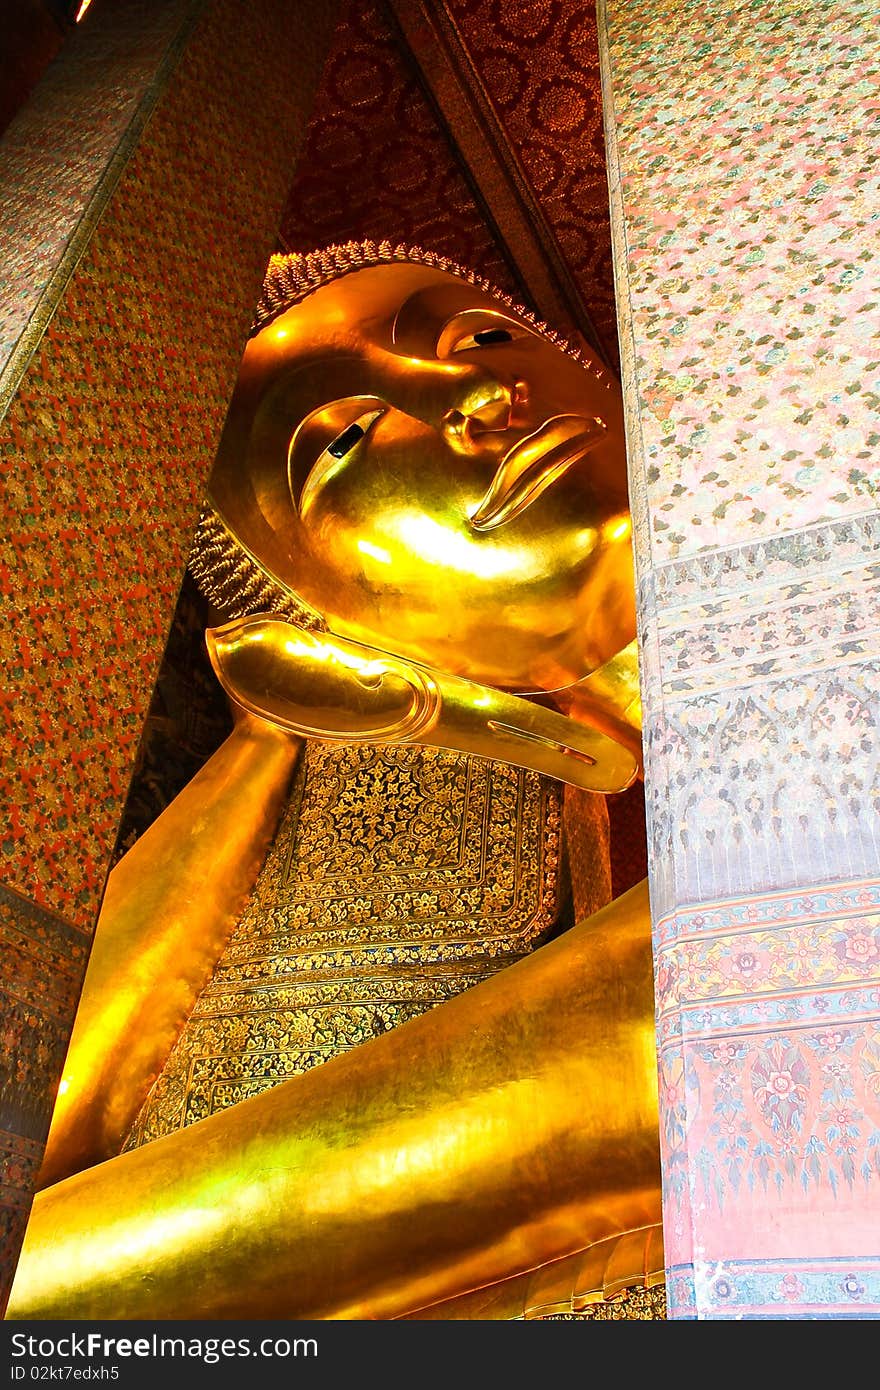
column 416, row 540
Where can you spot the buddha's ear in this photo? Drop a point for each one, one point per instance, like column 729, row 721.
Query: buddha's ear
column 319, row 685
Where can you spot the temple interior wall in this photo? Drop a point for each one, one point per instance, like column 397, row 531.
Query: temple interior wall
column 744, row 185
column 144, row 182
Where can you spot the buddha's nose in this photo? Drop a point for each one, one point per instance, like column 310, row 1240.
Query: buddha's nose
column 485, row 410
column 464, row 402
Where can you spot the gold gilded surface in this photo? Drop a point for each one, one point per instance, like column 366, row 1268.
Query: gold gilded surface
column 162, row 926
column 398, row 878
column 318, row 685
column 588, row 1278
column 415, row 467
column 429, row 1161
column 610, row 700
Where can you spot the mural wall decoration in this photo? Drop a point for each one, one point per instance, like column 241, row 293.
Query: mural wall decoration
column 106, row 442
column 744, row 189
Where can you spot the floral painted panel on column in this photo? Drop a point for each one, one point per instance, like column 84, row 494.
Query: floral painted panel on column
column 745, row 184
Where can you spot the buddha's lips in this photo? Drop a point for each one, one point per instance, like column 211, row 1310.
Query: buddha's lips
column 533, row 464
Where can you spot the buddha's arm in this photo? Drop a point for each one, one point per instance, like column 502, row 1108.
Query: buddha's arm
column 168, row 909
column 321, row 685
column 504, row 1129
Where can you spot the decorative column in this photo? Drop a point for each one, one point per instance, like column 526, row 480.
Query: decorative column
column 142, row 186
column 743, row 146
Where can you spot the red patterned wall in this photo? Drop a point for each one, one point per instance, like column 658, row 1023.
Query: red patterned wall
column 105, row 448
column 103, row 456
column 376, row 164
column 539, row 63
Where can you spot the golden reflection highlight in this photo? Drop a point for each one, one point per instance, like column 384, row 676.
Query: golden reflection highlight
column 418, row 519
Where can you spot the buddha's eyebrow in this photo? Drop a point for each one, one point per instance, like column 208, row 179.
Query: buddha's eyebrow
column 430, row 321
column 401, row 311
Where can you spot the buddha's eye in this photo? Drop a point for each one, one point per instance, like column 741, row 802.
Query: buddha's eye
column 325, row 442
column 484, row 338
column 345, row 442
column 475, row 329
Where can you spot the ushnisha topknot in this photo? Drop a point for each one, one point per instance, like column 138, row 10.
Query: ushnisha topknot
column 228, row 575
column 290, row 278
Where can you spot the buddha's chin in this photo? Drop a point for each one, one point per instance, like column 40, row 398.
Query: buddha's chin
column 536, row 670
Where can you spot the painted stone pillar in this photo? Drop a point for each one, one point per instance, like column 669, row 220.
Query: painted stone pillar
column 743, row 145
column 142, row 185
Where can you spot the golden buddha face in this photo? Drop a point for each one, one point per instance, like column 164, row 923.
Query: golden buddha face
column 435, row 477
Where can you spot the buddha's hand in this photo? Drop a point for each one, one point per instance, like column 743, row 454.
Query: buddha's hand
column 322, row 686
column 319, row 685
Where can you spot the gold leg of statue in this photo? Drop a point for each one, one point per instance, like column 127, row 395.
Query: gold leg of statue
column 506, row 1129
